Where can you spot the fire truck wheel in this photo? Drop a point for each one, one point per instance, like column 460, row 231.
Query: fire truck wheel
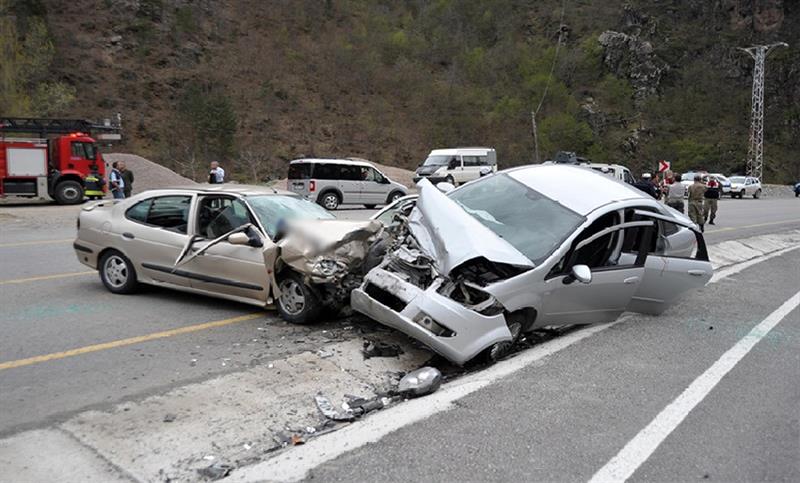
column 69, row 193
column 117, row 273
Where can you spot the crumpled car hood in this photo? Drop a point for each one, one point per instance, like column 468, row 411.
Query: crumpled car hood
column 308, row 241
column 450, row 236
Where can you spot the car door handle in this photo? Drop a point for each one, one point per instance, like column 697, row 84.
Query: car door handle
column 631, row 280
column 128, row 235
column 697, row 273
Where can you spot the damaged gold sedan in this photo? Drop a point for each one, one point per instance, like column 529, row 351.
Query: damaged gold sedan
column 250, row 244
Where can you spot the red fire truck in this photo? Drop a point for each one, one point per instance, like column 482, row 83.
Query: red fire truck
column 53, row 165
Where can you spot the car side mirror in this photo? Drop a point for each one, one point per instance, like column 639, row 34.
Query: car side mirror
column 240, row 238
column 581, row 273
column 445, row 187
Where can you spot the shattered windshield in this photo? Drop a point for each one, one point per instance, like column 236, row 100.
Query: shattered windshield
column 532, row 223
column 271, row 209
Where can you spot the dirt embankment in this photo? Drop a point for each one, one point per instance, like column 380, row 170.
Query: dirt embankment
column 148, row 175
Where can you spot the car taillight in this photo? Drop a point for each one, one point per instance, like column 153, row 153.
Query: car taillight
column 312, row 186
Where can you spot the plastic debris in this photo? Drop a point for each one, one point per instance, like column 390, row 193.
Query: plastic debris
column 420, row 382
column 329, row 410
column 215, row 471
column 208, row 457
column 322, row 353
column 380, row 349
column 168, row 418
column 297, row 440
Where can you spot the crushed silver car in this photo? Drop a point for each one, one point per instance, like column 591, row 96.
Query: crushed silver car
column 468, row 272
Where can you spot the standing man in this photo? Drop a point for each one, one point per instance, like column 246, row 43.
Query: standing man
column 645, row 184
column 697, row 191
column 127, row 177
column 711, row 200
column 116, row 182
column 675, row 194
column 217, row 174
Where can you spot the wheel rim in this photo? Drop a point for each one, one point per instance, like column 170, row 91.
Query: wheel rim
column 70, row 193
column 330, row 202
column 116, row 271
column 292, row 299
column 395, row 197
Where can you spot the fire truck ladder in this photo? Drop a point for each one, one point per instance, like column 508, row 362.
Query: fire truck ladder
column 108, row 130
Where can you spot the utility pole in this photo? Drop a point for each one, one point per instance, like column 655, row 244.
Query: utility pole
column 755, row 153
column 535, row 130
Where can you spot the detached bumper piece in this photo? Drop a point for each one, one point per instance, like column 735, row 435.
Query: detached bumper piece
column 444, row 325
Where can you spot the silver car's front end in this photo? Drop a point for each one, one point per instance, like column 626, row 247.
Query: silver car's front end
column 449, row 328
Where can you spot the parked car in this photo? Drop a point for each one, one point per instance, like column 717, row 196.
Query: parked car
column 616, row 171
column 457, row 166
column 742, row 186
column 467, row 272
column 245, row 243
column 334, row 182
column 724, row 182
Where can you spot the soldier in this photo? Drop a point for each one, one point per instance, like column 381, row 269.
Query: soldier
column 711, row 199
column 697, row 191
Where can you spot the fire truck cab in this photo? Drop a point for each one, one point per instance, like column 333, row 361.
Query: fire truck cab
column 50, row 168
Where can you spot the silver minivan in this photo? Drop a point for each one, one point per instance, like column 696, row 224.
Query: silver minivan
column 334, row 182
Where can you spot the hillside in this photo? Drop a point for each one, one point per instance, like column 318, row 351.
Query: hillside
column 258, row 83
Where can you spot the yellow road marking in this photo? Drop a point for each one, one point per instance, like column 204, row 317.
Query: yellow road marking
column 45, row 277
column 129, row 341
column 35, row 242
column 754, row 226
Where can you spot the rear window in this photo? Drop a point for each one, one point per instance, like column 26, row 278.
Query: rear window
column 300, row 171
column 170, row 212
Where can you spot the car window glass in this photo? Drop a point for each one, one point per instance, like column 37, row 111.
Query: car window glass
column 369, row 174
column 77, row 150
column 171, row 212
column 326, row 171
column 388, row 215
column 217, row 215
column 471, row 161
column 602, row 252
column 349, row 172
column 633, row 236
column 138, row 212
column 272, row 211
column 628, row 177
column 300, row 171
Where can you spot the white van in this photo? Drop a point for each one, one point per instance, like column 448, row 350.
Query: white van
column 457, row 165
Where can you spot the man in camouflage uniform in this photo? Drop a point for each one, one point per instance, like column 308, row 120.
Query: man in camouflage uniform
column 697, row 191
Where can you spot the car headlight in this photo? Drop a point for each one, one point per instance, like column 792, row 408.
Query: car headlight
column 327, row 267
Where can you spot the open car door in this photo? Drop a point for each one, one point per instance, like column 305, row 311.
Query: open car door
column 669, row 271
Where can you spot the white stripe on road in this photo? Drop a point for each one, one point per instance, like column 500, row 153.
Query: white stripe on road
column 639, row 449
column 295, row 464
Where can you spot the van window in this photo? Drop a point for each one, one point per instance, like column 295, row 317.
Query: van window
column 471, row 161
column 326, row 171
column 300, row 171
column 369, row 174
column 349, row 172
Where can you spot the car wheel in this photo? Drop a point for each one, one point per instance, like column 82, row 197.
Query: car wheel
column 68, row 193
column 741, row 194
column 497, row 351
column 370, row 207
column 757, row 194
column 297, row 303
column 394, row 196
column 329, row 200
column 117, row 273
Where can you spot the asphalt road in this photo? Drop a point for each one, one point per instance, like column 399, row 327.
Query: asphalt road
column 562, row 420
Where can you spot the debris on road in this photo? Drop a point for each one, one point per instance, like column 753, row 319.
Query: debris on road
column 215, row 471
column 169, row 417
column 329, row 411
column 420, row 382
column 380, row 349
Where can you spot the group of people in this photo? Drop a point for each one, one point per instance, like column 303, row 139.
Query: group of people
column 703, row 198
column 120, row 182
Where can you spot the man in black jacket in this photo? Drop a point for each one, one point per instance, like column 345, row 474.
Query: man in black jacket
column 646, row 185
column 711, row 199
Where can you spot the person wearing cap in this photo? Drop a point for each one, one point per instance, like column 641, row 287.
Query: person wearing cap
column 646, row 185
column 697, row 191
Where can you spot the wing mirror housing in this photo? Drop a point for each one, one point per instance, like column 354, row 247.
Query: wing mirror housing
column 581, row 273
column 240, row 238
column 445, row 187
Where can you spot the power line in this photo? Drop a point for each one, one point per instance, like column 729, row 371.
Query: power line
column 534, row 127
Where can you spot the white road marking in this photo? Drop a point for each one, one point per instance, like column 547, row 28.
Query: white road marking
column 294, row 465
column 639, row 449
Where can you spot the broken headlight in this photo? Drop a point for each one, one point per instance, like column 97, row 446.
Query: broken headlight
column 473, row 297
column 327, row 268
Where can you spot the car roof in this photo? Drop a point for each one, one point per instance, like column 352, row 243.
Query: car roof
column 580, row 189
column 229, row 188
column 350, row 162
column 454, row 151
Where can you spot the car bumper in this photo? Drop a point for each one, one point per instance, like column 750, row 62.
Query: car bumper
column 471, row 332
column 87, row 253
